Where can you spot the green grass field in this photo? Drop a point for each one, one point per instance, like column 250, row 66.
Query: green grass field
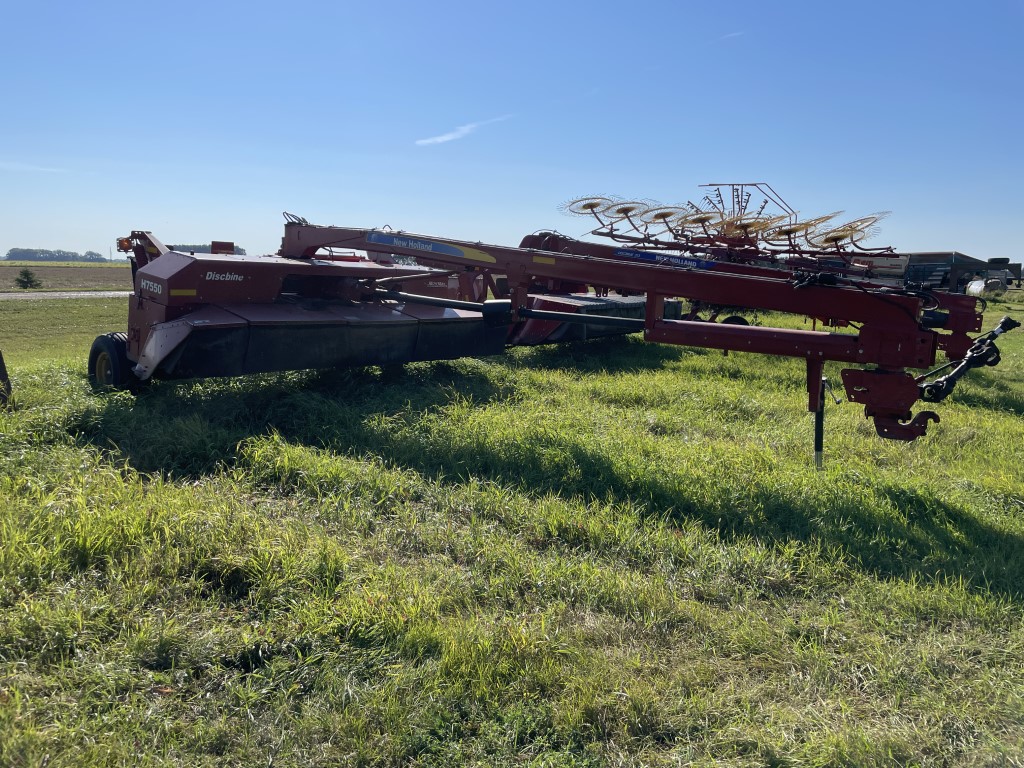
column 608, row 553
column 34, row 332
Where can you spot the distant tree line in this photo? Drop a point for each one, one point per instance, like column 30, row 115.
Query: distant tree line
column 44, row 254
column 201, row 249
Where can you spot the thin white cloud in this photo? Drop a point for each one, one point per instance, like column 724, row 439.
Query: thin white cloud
column 730, row 36
column 28, row 168
column 459, row 133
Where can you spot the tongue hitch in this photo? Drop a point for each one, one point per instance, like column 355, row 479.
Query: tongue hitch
column 889, row 394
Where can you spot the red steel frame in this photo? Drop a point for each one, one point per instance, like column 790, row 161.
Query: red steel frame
column 890, row 328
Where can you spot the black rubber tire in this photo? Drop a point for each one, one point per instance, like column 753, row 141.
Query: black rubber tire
column 735, row 320
column 109, row 367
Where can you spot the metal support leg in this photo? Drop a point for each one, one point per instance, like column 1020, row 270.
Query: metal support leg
column 819, row 425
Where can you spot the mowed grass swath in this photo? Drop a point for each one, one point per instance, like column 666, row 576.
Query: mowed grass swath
column 608, row 553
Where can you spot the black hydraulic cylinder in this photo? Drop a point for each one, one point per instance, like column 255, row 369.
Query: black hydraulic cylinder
column 495, row 311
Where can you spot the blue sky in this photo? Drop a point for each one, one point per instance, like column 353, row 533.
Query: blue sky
column 204, row 121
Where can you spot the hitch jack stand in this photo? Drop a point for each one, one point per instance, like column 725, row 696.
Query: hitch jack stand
column 819, row 425
column 817, row 383
column 819, row 421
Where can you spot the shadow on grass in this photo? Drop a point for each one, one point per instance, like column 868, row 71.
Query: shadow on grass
column 901, row 532
column 990, row 391
column 615, row 354
column 189, row 429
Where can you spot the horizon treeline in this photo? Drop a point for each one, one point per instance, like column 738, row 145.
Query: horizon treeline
column 45, row 254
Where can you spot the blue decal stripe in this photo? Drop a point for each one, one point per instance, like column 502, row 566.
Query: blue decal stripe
column 414, row 243
column 679, row 261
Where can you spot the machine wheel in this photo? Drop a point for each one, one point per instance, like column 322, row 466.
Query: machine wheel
column 735, row 320
column 109, row 367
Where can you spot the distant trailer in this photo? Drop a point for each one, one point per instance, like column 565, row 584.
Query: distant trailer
column 952, row 270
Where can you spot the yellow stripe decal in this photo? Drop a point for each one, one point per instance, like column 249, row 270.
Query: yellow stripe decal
column 543, row 259
column 473, row 254
column 183, row 291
